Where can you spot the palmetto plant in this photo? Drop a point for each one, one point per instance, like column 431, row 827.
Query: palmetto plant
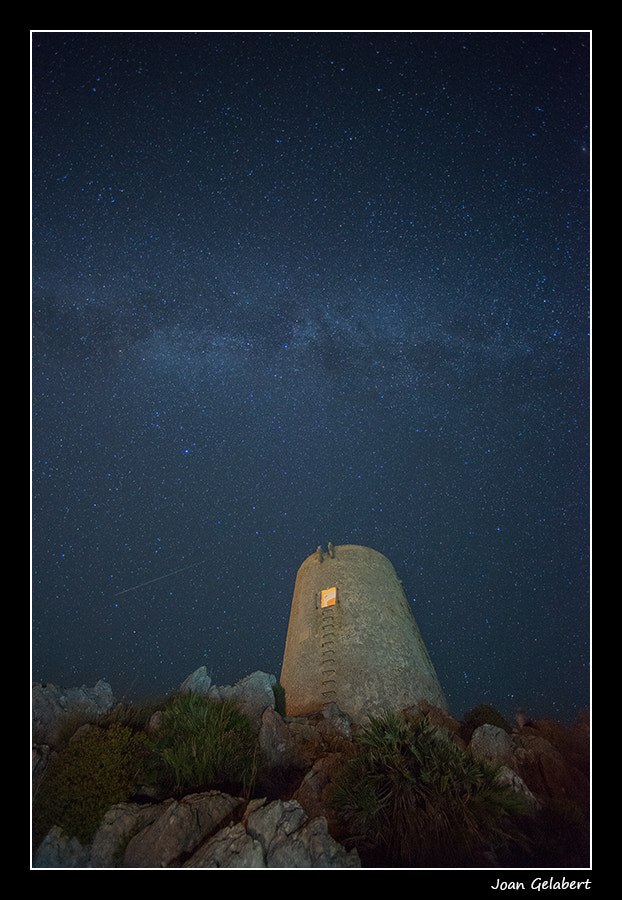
column 416, row 797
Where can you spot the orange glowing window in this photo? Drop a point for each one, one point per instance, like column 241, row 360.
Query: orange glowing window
column 329, row 597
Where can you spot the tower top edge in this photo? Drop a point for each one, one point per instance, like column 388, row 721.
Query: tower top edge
column 323, row 553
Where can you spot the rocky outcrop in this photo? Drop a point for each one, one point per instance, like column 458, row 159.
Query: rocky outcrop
column 554, row 760
column 545, row 761
column 254, row 693
column 301, row 757
column 298, row 741
column 42, row 754
column 231, row 848
column 52, row 706
column 277, row 835
column 492, row 744
column 178, row 829
column 192, row 833
column 58, row 851
column 199, row 682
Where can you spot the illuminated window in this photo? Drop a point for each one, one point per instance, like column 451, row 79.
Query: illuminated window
column 329, row 597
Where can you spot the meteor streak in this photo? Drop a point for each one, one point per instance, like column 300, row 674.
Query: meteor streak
column 159, row 578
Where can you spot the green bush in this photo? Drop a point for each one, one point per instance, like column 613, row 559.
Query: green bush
column 412, row 797
column 203, row 742
column 93, row 772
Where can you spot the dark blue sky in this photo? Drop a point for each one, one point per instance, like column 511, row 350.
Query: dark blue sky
column 295, row 288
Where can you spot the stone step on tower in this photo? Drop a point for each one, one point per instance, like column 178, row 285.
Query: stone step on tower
column 352, row 638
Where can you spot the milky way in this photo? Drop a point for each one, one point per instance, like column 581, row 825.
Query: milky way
column 291, row 288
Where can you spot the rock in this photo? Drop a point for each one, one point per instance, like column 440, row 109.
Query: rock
column 58, row 851
column 437, row 717
column 312, row 847
column 178, row 829
column 553, row 760
column 198, row 683
column 334, row 727
column 51, row 705
column 572, row 742
column 492, row 744
column 41, row 756
column 508, row 776
column 119, row 825
column 544, row 761
column 271, row 824
column 254, row 694
column 297, row 742
column 275, row 742
column 316, row 735
column 316, row 790
column 291, row 840
column 155, row 723
column 190, row 834
column 231, row 848
column 531, row 744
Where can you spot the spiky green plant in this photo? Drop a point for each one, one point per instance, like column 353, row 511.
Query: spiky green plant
column 202, row 742
column 417, row 798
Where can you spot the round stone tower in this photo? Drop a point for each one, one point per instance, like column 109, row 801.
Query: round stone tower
column 352, row 639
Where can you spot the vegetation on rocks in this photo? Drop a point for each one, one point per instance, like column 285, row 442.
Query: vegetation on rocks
column 98, row 768
column 202, row 742
column 413, row 797
column 409, row 789
column 198, row 744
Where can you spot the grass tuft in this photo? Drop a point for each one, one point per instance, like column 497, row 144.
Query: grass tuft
column 203, row 742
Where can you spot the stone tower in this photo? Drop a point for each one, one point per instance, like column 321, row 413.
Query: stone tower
column 352, row 638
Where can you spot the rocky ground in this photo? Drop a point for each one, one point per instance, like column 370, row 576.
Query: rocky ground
column 289, row 821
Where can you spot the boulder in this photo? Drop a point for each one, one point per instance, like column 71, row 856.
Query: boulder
column 178, row 829
column 437, row 717
column 254, row 694
column 312, row 847
column 316, row 789
column 199, row 682
column 290, row 840
column 119, row 825
column 492, row 744
column 231, row 848
column 509, row 777
column 298, row 742
column 572, row 742
column 51, row 705
column 334, row 728
column 272, row 824
column 58, row 851
column 275, row 743
column 553, row 760
column 315, row 735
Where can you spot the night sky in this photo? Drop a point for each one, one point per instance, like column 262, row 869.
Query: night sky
column 291, row 288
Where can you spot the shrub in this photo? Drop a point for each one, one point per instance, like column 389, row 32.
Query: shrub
column 413, row 797
column 94, row 771
column 203, row 742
